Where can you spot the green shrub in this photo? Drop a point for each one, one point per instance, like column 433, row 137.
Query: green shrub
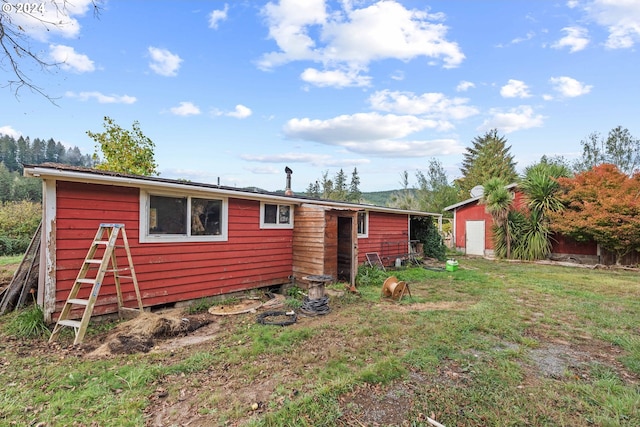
column 434, row 246
column 370, row 276
column 426, row 231
column 18, row 223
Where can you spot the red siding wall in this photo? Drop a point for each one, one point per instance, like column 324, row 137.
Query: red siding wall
column 472, row 212
column 476, row 212
column 385, row 232
column 167, row 272
column 566, row 245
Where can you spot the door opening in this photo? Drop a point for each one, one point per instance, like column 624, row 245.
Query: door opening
column 345, row 248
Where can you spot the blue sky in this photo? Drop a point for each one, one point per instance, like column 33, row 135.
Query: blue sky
column 238, row 90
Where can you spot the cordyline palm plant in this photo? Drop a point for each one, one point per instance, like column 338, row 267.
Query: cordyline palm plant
column 525, row 234
column 497, row 200
column 539, row 186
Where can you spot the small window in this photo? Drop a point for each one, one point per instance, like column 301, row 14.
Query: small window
column 206, row 217
column 167, row 215
column 276, row 216
column 181, row 218
column 363, row 224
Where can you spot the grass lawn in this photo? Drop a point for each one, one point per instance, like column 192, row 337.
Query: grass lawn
column 492, row 344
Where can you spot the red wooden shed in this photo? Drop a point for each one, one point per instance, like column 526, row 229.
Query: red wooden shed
column 472, row 232
column 193, row 240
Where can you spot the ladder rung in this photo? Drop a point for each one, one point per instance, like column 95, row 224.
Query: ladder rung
column 78, row 301
column 94, row 261
column 90, row 281
column 125, row 277
column 100, row 242
column 72, row 323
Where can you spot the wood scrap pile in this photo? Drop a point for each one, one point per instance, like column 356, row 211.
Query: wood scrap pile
column 25, row 279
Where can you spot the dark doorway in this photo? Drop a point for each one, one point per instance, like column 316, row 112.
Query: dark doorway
column 345, row 248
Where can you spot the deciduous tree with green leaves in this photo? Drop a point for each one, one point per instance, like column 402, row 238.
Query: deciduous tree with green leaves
column 434, row 190
column 123, row 150
column 487, row 158
column 601, row 204
column 620, row 148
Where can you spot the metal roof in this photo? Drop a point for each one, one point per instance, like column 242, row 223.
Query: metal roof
column 88, row 175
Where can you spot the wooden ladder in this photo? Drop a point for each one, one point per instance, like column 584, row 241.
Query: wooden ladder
column 110, row 232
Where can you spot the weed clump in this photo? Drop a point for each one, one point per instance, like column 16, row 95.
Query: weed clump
column 28, row 323
column 370, row 276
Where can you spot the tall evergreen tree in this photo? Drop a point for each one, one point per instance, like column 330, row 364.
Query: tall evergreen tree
column 487, row 158
column 23, row 154
column 354, row 187
column 38, row 149
column 8, row 153
column 313, row 189
column 6, row 180
column 340, row 186
column 51, row 152
column 326, row 186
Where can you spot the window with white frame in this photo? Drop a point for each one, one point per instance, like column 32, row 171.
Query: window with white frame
column 170, row 218
column 363, row 224
column 276, row 216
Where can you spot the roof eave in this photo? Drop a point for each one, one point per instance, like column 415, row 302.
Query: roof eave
column 132, row 181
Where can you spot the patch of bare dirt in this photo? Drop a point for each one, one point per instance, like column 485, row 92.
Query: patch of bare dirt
column 150, row 331
column 428, row 306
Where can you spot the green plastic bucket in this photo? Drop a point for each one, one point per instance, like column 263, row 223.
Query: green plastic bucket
column 451, row 265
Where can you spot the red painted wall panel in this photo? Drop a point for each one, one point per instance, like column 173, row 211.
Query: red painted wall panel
column 475, row 211
column 566, row 245
column 167, row 272
column 385, row 230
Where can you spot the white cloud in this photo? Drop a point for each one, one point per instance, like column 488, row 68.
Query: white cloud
column 527, row 37
column 576, row 39
column 522, row 117
column 9, row 131
column 373, row 134
column 464, row 85
column 164, row 62
column 397, row 75
column 185, row 109
column 217, row 16
column 620, row 17
column 568, row 87
column 56, row 20
column 356, row 127
column 69, row 59
column 240, row 112
column 429, row 105
column 335, row 78
column 515, row 89
column 412, row 149
column 318, row 160
column 101, row 98
column 352, row 38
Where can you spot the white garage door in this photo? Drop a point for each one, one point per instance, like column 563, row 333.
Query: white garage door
column 475, row 237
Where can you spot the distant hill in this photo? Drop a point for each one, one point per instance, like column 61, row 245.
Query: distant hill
column 378, row 198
